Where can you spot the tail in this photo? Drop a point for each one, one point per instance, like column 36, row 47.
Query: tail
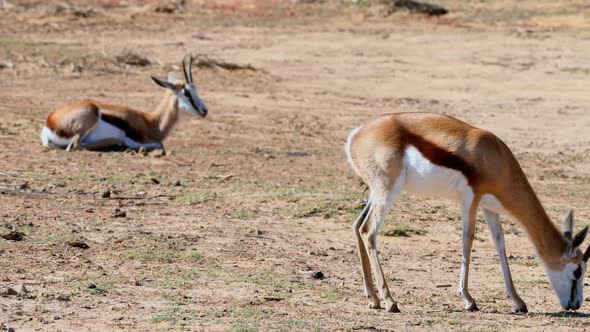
column 347, row 149
column 52, row 140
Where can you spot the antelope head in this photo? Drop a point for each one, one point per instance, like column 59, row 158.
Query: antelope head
column 186, row 91
column 568, row 281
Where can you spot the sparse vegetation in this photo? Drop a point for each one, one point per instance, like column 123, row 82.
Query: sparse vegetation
column 264, row 196
column 193, row 198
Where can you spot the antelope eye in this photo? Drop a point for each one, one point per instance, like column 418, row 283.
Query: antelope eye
column 186, row 92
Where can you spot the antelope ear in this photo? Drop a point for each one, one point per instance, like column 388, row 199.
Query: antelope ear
column 579, row 239
column 164, row 84
column 587, row 254
column 187, row 67
column 568, row 225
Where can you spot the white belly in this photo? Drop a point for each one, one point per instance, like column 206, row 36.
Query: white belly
column 423, row 178
column 427, row 179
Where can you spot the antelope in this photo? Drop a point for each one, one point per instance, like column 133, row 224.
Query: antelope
column 93, row 125
column 436, row 155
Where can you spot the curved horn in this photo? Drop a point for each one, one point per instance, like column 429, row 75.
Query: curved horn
column 187, row 66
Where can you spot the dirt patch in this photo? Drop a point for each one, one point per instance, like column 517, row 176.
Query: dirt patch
column 227, row 229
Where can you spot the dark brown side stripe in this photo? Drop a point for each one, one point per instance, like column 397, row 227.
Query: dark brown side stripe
column 123, row 125
column 438, row 155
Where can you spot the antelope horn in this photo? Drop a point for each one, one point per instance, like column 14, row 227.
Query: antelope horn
column 187, row 66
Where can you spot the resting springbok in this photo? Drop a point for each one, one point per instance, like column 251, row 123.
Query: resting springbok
column 92, row 125
column 437, row 155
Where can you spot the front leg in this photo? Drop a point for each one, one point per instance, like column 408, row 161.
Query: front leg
column 134, row 145
column 493, row 221
column 468, row 214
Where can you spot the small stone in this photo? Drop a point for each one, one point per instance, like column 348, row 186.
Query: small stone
column 91, row 286
column 78, row 244
column 133, row 59
column 106, row 194
column 11, row 292
column 318, row 275
column 57, row 317
column 13, row 236
column 155, row 181
column 119, row 213
column 23, row 186
column 62, row 297
column 176, row 183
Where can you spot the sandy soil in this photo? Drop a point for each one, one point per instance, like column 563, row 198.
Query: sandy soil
column 224, row 230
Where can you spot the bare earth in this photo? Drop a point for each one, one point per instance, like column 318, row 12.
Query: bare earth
column 224, row 231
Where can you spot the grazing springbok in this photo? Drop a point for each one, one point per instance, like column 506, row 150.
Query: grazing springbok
column 437, row 155
column 92, row 125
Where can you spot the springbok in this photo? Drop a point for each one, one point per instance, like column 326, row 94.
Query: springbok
column 437, row 155
column 92, row 125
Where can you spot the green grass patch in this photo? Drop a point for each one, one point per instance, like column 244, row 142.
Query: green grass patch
column 244, row 214
column 97, row 285
column 331, row 294
column 176, row 278
column 194, row 198
column 153, row 254
column 175, row 316
column 163, row 255
column 10, row 48
column 243, row 327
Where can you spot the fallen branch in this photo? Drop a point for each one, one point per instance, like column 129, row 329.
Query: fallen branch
column 203, row 61
column 260, row 237
column 418, row 7
column 139, row 197
column 275, row 299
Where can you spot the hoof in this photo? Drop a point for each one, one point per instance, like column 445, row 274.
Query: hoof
column 374, row 305
column 392, row 307
column 472, row 307
column 522, row 310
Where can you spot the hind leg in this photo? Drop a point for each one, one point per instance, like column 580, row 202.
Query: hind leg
column 74, row 143
column 374, row 302
column 67, row 127
column 382, row 197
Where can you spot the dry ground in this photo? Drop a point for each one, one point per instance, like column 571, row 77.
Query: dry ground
column 221, row 233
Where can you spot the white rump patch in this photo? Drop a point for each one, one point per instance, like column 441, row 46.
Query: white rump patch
column 347, row 148
column 49, row 138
